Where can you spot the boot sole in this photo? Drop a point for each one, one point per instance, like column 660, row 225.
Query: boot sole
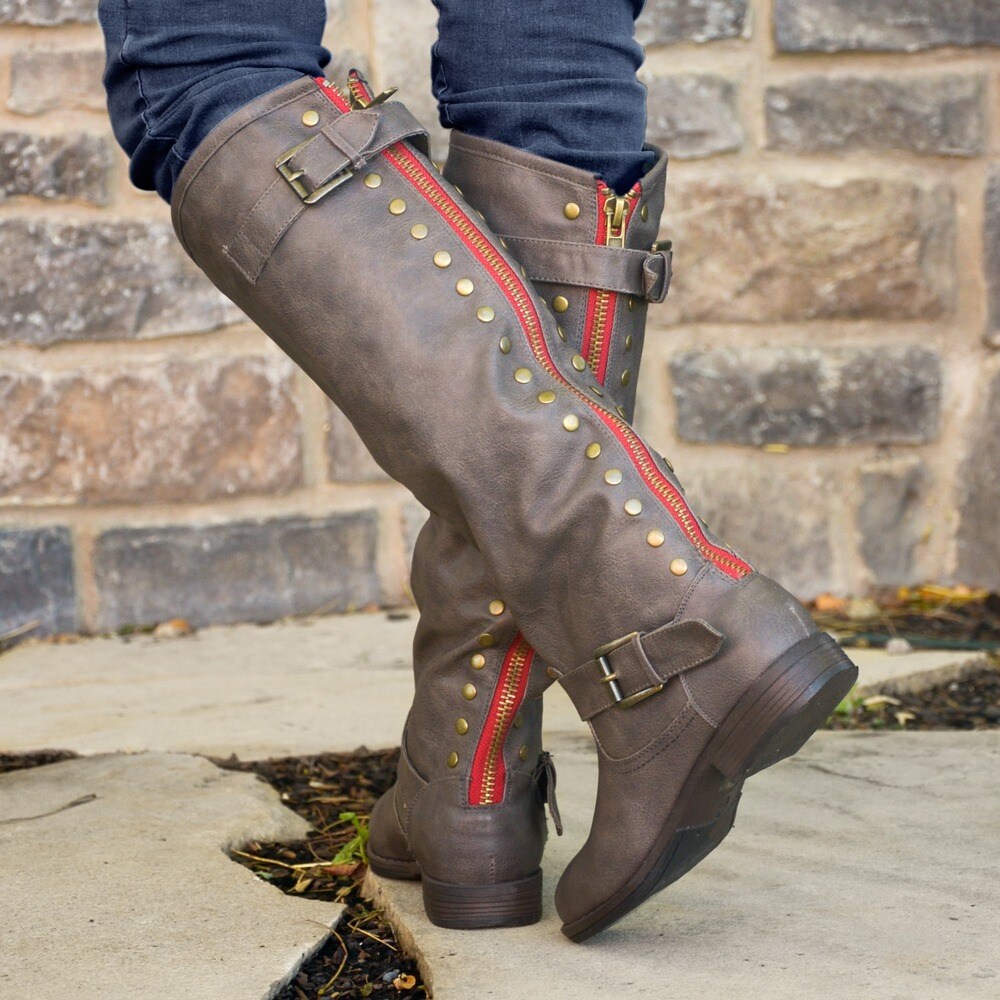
column 773, row 720
column 470, row 907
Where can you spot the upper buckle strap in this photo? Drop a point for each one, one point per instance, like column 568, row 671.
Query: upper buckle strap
column 313, row 168
column 322, row 162
column 635, row 667
column 642, row 273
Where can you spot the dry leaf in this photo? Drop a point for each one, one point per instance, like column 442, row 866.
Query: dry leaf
column 173, row 629
column 344, row 870
column 828, row 604
column 302, row 884
column 880, row 699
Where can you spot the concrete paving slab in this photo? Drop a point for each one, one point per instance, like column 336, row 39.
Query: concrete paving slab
column 115, row 884
column 864, row 867
column 297, row 687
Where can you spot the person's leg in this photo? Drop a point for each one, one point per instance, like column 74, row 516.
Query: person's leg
column 556, row 78
column 176, row 68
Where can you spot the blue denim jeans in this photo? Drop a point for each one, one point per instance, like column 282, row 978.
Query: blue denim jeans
column 554, row 77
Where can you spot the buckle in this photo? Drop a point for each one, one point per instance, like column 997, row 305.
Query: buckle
column 610, row 678
column 293, row 176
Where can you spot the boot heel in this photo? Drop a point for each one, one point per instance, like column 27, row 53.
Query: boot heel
column 784, row 707
column 468, row 907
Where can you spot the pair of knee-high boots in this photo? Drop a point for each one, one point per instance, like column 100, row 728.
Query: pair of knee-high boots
column 482, row 331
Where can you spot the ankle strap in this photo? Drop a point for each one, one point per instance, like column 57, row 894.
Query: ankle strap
column 625, row 672
column 645, row 274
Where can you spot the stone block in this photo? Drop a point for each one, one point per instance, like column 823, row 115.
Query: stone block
column 978, row 561
column 892, row 519
column 184, row 431
column 101, row 281
column 665, row 22
column 36, row 580
column 48, row 12
column 692, row 116
column 935, row 115
column 248, row 571
column 884, row 25
column 808, row 396
column 991, row 256
column 782, row 250
column 38, row 81
column 68, row 165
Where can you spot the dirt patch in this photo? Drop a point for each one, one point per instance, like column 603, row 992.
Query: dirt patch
column 335, row 793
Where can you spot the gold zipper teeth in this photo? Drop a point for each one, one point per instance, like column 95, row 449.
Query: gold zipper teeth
column 537, row 343
column 504, row 709
column 597, row 341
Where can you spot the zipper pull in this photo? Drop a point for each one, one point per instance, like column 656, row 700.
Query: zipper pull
column 545, row 781
column 614, row 210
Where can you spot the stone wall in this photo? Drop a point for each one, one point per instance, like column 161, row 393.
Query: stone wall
column 825, row 375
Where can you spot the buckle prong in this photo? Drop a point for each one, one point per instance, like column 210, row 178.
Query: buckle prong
column 294, row 176
column 610, row 678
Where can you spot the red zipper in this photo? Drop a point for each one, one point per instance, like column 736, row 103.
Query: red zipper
column 488, row 781
column 599, row 319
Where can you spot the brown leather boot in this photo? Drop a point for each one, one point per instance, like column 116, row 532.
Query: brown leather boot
column 320, row 218
column 466, row 811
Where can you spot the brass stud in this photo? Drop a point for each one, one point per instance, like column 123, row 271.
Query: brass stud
column 522, row 375
column 397, row 206
column 613, row 477
column 655, row 538
column 464, row 286
column 462, row 727
column 503, row 243
column 621, row 412
column 629, row 341
column 310, row 118
column 518, row 720
column 678, row 567
column 486, row 640
column 571, row 422
column 373, row 180
column 596, row 391
column 550, row 672
column 560, row 303
column 631, row 304
column 497, row 607
column 442, row 258
column 546, row 396
column 523, row 753
column 478, row 661
column 593, row 450
column 505, row 345
column 626, row 377
column 578, row 363
column 486, row 314
column 644, row 213
column 571, row 210
column 562, row 333
column 418, row 231
column 633, row 507
column 453, row 759
column 468, row 691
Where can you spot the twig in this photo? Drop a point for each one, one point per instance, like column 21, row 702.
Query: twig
column 24, row 629
column 359, row 930
column 340, row 968
column 83, row 800
column 282, row 864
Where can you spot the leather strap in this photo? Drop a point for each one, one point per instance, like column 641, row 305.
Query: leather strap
column 342, row 147
column 642, row 273
column 640, row 666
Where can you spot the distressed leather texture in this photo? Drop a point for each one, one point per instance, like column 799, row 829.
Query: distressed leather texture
column 358, row 303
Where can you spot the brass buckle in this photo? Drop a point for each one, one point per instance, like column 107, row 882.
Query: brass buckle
column 293, row 176
column 611, row 678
